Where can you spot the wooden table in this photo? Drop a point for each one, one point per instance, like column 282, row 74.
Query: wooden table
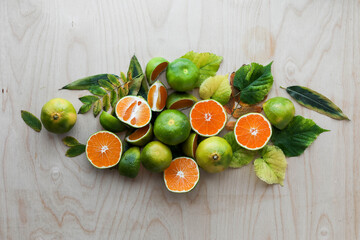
column 47, row 44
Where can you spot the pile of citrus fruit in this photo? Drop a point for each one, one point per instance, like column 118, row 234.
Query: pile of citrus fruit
column 159, row 127
column 161, row 137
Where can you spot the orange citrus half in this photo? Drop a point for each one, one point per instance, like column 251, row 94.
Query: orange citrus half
column 252, row 131
column 157, row 96
column 134, row 111
column 103, row 149
column 182, row 175
column 208, row 117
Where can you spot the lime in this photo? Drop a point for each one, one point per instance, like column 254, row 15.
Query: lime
column 154, row 67
column 141, row 136
column 58, row 115
column 214, row 154
column 172, row 127
column 129, row 164
column 111, row 123
column 190, row 145
column 156, row 156
column 180, row 100
column 182, row 74
column 279, row 111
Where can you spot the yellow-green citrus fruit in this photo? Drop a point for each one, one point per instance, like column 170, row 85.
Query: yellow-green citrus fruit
column 58, row 115
column 111, row 123
column 172, row 127
column 154, row 67
column 182, row 74
column 156, row 156
column 214, row 154
column 279, row 111
column 129, row 164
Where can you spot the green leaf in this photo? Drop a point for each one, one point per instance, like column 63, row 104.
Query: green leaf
column 254, row 81
column 123, row 77
column 121, row 92
column 97, row 108
column 113, row 98
column 85, row 108
column 135, row 85
column 106, row 102
column 106, row 85
column 89, row 99
column 208, row 64
column 114, row 80
column 136, row 76
column 70, row 141
column 316, row 101
column 86, row 82
column 75, row 150
column 96, row 90
column 31, row 120
column 272, row 166
column 217, row 88
column 144, row 89
column 241, row 156
column 134, row 68
column 297, row 136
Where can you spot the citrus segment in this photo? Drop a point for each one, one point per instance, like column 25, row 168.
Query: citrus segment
column 111, row 123
column 180, row 100
column 182, row 175
column 252, row 131
column 190, row 145
column 154, row 67
column 157, row 96
column 134, row 111
column 207, row 117
column 141, row 136
column 103, row 149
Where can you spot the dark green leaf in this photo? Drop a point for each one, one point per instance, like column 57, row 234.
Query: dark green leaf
column 106, row 102
column 316, row 101
column 134, row 68
column 86, row 82
column 297, row 136
column 121, row 92
column 114, row 80
column 70, row 141
column 144, row 89
column 135, row 85
column 88, row 99
column 75, row 150
column 96, row 90
column 31, row 120
column 85, row 108
column 254, row 81
column 208, row 64
column 113, row 98
column 123, row 77
column 241, row 156
column 97, row 108
column 106, row 85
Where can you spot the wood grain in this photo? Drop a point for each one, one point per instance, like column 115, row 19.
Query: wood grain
column 46, row 44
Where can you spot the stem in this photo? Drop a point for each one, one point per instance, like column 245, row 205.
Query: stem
column 282, row 87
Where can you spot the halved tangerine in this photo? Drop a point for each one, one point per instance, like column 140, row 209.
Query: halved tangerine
column 141, row 136
column 103, row 149
column 182, row 175
column 157, row 96
column 180, row 100
column 208, row 117
column 134, row 111
column 252, row 131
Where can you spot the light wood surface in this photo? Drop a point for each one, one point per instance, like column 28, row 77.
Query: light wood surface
column 46, row 44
